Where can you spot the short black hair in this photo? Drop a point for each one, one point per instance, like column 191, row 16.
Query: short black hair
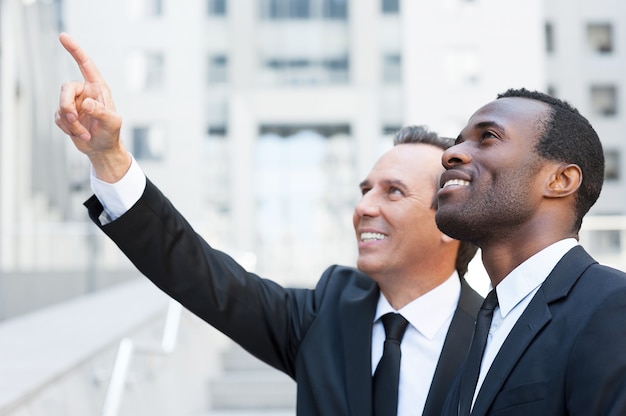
column 422, row 135
column 568, row 137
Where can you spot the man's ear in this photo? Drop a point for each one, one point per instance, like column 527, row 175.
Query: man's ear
column 446, row 238
column 564, row 181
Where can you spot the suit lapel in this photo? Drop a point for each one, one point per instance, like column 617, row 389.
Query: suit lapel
column 454, row 349
column 537, row 315
column 356, row 315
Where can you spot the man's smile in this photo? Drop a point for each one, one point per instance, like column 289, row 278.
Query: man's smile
column 452, row 182
column 369, row 236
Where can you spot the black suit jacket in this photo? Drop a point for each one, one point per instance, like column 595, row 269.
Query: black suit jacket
column 567, row 353
column 319, row 337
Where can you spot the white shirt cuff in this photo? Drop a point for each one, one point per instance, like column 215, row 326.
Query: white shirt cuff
column 117, row 198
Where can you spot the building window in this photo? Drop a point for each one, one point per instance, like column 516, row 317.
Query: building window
column 390, row 6
column 611, row 165
column 218, row 69
column 304, row 9
column 392, row 68
column 286, row 130
column 335, row 70
column 604, row 100
column 146, row 71
column 217, row 7
column 305, row 71
column 144, row 8
column 549, row 33
column 292, row 220
column 217, row 130
column 148, row 143
column 390, row 130
column 335, row 9
column 600, row 37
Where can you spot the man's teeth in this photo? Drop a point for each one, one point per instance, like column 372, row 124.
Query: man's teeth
column 372, row 236
column 455, row 182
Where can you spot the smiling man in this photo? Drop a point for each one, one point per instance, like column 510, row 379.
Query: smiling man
column 331, row 338
column 522, row 175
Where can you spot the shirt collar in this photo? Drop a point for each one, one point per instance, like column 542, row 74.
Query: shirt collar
column 430, row 311
column 529, row 275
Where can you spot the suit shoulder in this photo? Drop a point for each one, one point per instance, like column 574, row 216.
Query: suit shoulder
column 606, row 277
column 341, row 276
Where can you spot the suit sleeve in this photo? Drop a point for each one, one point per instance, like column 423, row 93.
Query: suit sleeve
column 598, row 362
column 263, row 317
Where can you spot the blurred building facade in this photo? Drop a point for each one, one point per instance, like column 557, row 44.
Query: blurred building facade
column 585, row 46
column 259, row 118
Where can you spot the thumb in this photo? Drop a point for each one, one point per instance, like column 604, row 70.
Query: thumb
column 89, row 106
column 108, row 119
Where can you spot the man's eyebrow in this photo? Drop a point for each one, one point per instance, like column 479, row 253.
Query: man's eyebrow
column 483, row 125
column 395, row 183
column 387, row 182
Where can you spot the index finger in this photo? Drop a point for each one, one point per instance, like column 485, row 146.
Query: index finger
column 85, row 64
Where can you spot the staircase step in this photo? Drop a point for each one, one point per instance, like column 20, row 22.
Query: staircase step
column 254, row 389
column 235, row 358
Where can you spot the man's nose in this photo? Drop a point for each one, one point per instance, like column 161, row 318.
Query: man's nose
column 455, row 155
column 368, row 205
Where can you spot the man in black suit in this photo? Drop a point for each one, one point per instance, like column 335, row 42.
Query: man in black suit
column 330, row 338
column 523, row 173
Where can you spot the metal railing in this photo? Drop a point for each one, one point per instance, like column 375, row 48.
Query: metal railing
column 127, row 349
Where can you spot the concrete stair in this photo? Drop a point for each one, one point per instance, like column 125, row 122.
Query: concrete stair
column 249, row 387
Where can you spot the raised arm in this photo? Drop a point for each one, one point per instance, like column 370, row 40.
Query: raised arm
column 87, row 114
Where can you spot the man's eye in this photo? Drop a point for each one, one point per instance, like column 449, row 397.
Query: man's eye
column 395, row 191
column 364, row 191
column 488, row 135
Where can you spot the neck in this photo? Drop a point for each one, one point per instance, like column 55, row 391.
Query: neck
column 401, row 291
column 502, row 258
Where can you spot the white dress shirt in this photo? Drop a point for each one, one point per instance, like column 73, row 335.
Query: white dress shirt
column 515, row 292
column 117, row 198
column 429, row 315
column 429, row 318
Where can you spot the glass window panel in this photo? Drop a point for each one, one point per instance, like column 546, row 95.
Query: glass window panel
column 604, row 100
column 611, row 165
column 390, row 6
column 392, row 68
column 549, row 33
column 217, row 7
column 600, row 37
column 148, row 142
column 145, row 71
column 218, row 69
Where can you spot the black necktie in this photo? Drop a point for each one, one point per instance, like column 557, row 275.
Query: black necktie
column 387, row 372
column 469, row 377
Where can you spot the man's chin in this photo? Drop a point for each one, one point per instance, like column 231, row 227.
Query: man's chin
column 366, row 267
column 448, row 222
column 459, row 226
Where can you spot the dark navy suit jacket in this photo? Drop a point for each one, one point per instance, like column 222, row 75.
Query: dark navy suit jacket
column 566, row 355
column 319, row 337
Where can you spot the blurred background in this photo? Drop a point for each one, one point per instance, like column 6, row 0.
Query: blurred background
column 258, row 119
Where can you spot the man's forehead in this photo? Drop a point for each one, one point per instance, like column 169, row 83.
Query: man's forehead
column 509, row 110
column 514, row 106
column 409, row 160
